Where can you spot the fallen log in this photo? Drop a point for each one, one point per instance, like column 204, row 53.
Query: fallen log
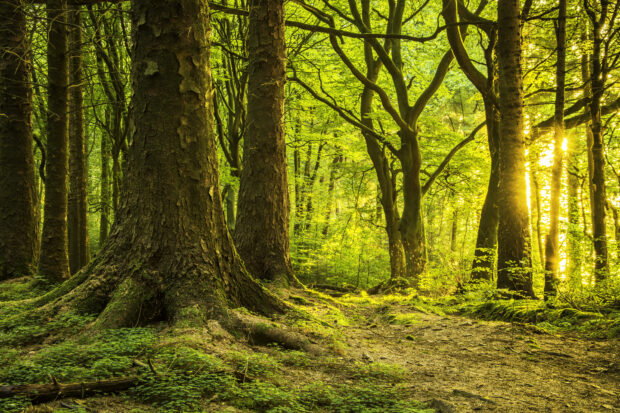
column 41, row 393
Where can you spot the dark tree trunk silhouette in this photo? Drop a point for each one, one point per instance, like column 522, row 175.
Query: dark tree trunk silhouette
column 262, row 230
column 18, row 195
column 514, row 246
column 54, row 261
column 104, row 200
column 79, row 253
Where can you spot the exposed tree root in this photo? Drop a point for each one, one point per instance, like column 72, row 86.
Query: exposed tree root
column 259, row 332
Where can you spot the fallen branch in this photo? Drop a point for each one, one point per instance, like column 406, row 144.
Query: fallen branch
column 41, row 393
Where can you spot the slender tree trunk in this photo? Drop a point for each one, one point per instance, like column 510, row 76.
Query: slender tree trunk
column 54, row 261
column 454, row 230
column 116, row 181
column 330, row 192
column 18, row 193
column 514, row 247
column 535, row 211
column 229, row 204
column 262, row 232
column 599, row 198
column 79, row 252
column 552, row 241
column 573, row 236
column 486, row 240
column 104, row 223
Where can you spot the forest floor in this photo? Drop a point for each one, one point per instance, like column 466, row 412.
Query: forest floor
column 472, row 365
column 382, row 354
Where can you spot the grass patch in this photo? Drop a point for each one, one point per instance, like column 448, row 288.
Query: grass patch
column 548, row 316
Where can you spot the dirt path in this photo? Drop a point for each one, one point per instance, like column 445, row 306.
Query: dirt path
column 469, row 365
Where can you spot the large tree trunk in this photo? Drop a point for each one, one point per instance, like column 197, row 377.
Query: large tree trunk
column 54, row 261
column 18, row 195
column 169, row 255
column 552, row 241
column 79, row 253
column 262, row 232
column 514, row 254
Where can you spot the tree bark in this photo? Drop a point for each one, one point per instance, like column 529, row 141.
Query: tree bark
column 486, row 240
column 597, row 184
column 169, row 256
column 262, row 232
column 54, row 261
column 104, row 200
column 514, row 246
column 574, row 234
column 552, row 241
column 18, row 194
column 79, row 252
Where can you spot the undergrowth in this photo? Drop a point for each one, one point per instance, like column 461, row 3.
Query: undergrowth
column 193, row 372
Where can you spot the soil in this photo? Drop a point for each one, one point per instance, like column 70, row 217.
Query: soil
column 465, row 365
column 454, row 363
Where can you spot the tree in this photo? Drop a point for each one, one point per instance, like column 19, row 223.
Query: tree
column 169, row 255
column 552, row 241
column 54, row 260
column 514, row 255
column 77, row 223
column 486, row 241
column 18, row 228
column 262, row 227
column 599, row 66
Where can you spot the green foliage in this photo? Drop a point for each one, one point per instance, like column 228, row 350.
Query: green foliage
column 103, row 355
column 253, row 364
column 31, row 330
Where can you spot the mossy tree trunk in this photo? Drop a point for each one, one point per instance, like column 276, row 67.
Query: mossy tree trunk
column 79, row 253
column 18, row 195
column 54, row 261
column 262, row 228
column 514, row 246
column 169, row 255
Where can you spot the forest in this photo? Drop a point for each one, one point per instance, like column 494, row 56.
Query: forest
column 309, row 206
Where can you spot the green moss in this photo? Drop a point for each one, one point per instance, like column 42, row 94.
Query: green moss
column 548, row 316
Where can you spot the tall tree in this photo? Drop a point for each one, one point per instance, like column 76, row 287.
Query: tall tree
column 486, row 240
column 169, row 255
column 54, row 261
column 598, row 19
column 262, row 228
column 78, row 207
column 552, row 241
column 18, row 196
column 514, row 246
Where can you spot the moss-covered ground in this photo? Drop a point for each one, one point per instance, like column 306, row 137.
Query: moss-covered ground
column 391, row 353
